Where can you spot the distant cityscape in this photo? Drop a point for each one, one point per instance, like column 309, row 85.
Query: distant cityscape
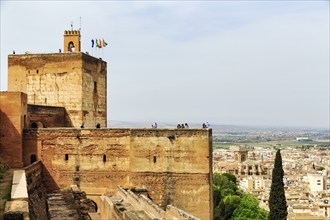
column 249, row 155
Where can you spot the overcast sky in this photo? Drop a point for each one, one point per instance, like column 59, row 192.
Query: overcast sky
column 226, row 62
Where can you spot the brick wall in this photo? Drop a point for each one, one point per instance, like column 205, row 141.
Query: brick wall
column 49, row 116
column 174, row 165
column 13, row 118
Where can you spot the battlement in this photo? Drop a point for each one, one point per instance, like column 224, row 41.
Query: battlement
column 72, row 41
column 72, row 32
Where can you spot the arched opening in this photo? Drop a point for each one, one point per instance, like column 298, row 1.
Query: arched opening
column 104, row 158
column 37, row 124
column 71, row 46
column 33, row 158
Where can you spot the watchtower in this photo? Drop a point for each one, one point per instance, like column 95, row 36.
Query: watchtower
column 72, row 41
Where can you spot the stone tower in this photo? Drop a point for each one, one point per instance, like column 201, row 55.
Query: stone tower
column 73, row 80
column 72, row 41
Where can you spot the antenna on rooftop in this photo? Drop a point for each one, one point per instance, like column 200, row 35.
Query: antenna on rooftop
column 79, row 23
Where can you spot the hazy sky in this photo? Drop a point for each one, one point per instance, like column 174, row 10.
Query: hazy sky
column 226, row 62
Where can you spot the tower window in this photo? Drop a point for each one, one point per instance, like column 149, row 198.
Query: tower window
column 37, row 71
column 66, row 157
column 33, row 158
column 155, row 159
column 24, row 121
column 104, row 158
column 71, row 46
column 95, row 87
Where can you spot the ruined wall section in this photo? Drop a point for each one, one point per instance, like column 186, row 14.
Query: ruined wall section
column 49, row 79
column 94, row 90
column 36, row 191
column 49, row 116
column 173, row 165
column 13, row 118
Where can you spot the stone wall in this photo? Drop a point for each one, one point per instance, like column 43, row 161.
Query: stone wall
column 49, row 116
column 61, row 79
column 94, row 91
column 13, row 118
column 36, row 191
column 173, row 165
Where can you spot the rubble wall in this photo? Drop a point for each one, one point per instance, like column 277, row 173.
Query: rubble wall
column 36, row 191
column 174, row 165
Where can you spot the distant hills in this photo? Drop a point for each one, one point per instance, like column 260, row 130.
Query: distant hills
column 215, row 127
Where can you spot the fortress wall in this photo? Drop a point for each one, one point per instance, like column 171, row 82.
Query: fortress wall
column 13, row 118
column 174, row 165
column 94, row 91
column 49, row 116
column 75, row 81
column 50, row 79
column 57, row 80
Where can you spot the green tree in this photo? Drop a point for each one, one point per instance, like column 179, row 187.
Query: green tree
column 226, row 196
column 277, row 201
column 248, row 209
column 230, row 177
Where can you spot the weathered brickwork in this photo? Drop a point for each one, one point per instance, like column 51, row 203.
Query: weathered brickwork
column 49, row 116
column 174, row 165
column 62, row 79
column 94, row 89
column 13, row 118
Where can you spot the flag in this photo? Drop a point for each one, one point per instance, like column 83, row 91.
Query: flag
column 92, row 42
column 104, row 43
column 100, row 44
column 97, row 43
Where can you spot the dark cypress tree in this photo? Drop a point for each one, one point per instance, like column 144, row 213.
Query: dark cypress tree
column 277, row 201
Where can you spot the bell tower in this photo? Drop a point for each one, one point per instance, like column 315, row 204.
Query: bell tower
column 72, row 41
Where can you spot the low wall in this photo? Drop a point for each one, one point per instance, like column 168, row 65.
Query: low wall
column 36, row 190
column 33, row 175
column 174, row 165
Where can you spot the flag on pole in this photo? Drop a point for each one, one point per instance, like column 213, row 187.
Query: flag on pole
column 97, row 43
column 92, row 43
column 104, row 43
column 100, row 44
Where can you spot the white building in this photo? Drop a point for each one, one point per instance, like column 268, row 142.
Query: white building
column 316, row 182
